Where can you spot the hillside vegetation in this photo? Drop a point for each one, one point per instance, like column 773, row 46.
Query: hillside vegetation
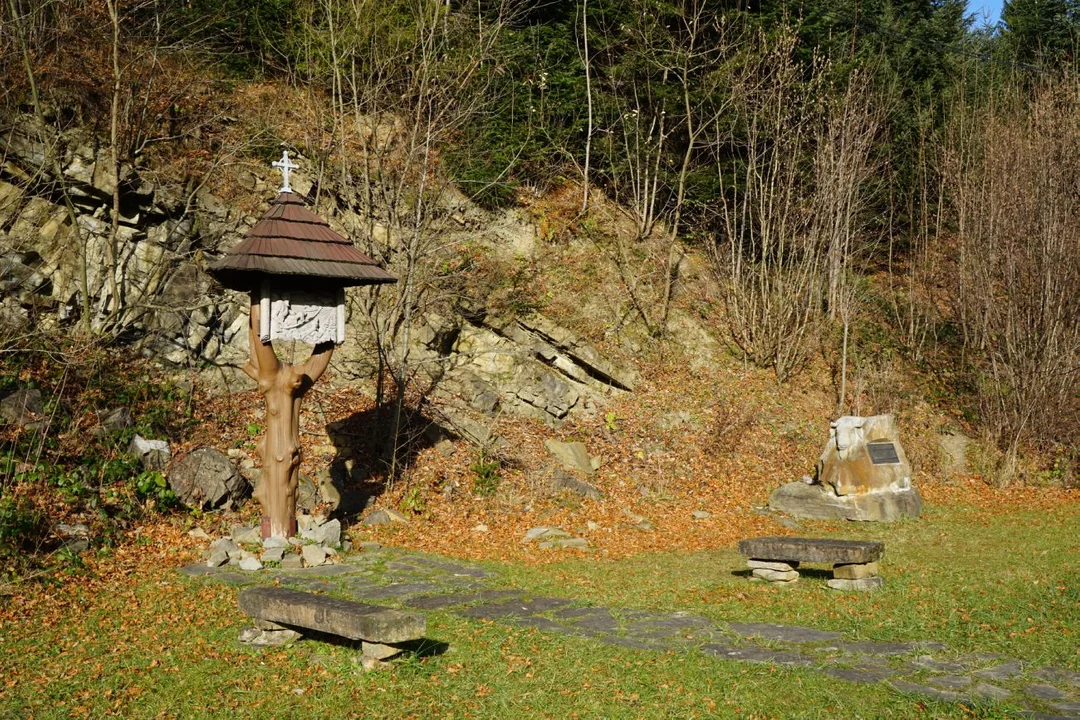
column 771, row 214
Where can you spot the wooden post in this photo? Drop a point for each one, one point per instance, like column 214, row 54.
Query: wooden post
column 283, row 387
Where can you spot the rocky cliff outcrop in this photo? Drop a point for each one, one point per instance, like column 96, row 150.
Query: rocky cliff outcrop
column 167, row 307
column 165, row 301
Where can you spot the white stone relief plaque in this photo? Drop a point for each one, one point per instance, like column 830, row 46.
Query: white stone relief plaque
column 310, row 316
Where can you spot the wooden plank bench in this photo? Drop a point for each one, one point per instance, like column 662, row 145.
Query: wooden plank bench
column 776, row 559
column 281, row 615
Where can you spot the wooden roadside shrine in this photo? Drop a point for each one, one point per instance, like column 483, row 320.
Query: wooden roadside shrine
column 295, row 269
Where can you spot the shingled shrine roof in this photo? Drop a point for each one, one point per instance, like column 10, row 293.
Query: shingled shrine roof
column 290, row 240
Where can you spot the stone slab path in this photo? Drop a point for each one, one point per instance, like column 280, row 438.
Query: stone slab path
column 920, row 667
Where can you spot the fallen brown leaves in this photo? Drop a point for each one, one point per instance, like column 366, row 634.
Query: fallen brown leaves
column 149, row 553
column 718, row 440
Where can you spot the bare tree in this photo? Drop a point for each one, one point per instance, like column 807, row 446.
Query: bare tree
column 400, row 96
column 843, row 169
column 114, row 151
column 1014, row 171
column 684, row 51
column 589, row 101
column 792, row 211
column 911, row 258
column 124, row 95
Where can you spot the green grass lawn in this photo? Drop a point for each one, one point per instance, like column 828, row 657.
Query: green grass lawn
column 1007, row 583
column 165, row 645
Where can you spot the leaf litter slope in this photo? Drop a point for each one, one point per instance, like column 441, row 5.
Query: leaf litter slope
column 713, row 439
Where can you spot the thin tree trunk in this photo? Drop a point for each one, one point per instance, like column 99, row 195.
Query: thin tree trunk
column 843, row 371
column 588, row 97
column 114, row 148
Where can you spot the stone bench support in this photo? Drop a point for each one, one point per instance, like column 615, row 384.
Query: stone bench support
column 281, row 615
column 777, row 559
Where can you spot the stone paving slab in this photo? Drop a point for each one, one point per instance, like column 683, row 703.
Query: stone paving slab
column 597, row 623
column 355, row 585
column 514, row 608
column 991, row 692
column 313, row 584
column 221, row 575
column 784, row 633
column 425, row 583
column 671, row 635
column 1004, row 671
column 754, row 654
column 1059, row 675
column 403, row 579
column 541, row 623
column 1045, row 692
column 323, row 571
column 983, row 658
column 439, row 602
column 676, row 635
column 887, row 649
column 540, row 605
column 448, row 567
column 942, row 666
column 861, row 675
column 677, row 620
column 915, row 689
column 950, row 682
column 495, row 611
column 494, row 594
column 372, row 561
column 398, row 590
column 404, row 566
column 590, row 617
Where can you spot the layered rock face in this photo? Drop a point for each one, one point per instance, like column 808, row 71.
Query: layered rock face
column 142, row 279
column 145, row 281
column 526, row 365
column 863, row 474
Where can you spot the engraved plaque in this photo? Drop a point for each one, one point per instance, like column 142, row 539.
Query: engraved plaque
column 883, row 453
column 308, row 316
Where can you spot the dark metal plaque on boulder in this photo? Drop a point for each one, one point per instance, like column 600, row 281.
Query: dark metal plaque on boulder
column 883, row 453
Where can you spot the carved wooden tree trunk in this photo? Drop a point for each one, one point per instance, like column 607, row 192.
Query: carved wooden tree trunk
column 283, row 387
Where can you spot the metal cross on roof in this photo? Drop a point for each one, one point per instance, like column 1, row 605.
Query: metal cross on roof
column 285, row 166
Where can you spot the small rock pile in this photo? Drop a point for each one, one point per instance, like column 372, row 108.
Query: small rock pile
column 856, row 576
column 268, row 634
column 846, row 576
column 385, row 516
column 317, row 544
column 554, row 538
column 775, row 572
